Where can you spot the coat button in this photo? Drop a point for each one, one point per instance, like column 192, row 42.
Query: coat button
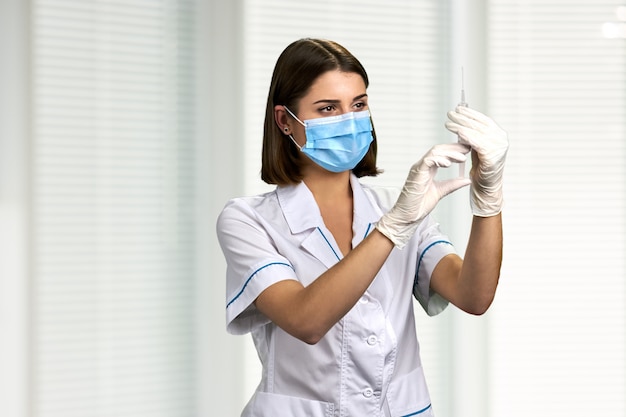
column 372, row 340
column 367, row 392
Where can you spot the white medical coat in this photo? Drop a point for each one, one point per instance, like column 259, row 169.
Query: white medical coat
column 368, row 364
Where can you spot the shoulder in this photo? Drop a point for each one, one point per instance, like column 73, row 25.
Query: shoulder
column 247, row 209
column 238, row 206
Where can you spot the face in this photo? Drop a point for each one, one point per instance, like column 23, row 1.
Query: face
column 332, row 94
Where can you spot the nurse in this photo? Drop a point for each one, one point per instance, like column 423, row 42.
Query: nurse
column 322, row 271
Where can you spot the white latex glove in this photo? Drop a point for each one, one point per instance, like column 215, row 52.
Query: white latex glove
column 489, row 147
column 421, row 192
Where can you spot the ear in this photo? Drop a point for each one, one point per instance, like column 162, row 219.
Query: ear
column 282, row 119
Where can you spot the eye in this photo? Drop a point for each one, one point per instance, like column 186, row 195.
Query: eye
column 327, row 109
column 360, row 105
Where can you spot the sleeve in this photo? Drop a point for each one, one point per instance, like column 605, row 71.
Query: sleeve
column 252, row 265
column 430, row 244
column 432, row 247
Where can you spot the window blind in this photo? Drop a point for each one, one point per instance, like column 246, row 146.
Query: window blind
column 399, row 43
column 112, row 208
column 557, row 328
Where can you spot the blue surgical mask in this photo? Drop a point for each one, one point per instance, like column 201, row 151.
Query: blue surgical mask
column 337, row 143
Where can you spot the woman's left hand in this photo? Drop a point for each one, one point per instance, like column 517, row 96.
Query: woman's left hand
column 489, row 148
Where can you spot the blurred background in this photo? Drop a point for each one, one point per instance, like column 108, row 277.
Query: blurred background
column 125, row 126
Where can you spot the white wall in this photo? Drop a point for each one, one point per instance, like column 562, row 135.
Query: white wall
column 14, row 320
column 218, row 354
column 219, row 142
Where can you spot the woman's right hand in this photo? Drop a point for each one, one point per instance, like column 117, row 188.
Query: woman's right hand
column 421, row 192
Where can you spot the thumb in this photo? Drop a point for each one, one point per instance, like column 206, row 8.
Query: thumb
column 446, row 187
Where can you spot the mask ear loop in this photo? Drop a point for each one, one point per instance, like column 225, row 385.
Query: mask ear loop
column 294, row 142
column 294, row 116
column 287, row 129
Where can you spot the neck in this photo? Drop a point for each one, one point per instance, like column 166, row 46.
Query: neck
column 329, row 186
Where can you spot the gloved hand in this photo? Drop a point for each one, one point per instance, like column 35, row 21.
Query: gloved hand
column 489, row 147
column 421, row 192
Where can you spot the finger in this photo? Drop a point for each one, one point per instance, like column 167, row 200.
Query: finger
column 467, row 136
column 439, row 161
column 453, row 127
column 446, row 187
column 453, row 147
column 445, row 157
column 466, row 121
column 474, row 114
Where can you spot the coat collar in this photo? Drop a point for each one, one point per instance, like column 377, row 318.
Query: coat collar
column 299, row 207
column 366, row 212
column 304, row 219
column 302, row 213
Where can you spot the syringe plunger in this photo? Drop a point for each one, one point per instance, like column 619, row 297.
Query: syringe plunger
column 464, row 104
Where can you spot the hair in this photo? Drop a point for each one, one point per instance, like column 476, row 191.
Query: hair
column 297, row 68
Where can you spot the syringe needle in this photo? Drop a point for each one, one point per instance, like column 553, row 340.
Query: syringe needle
column 464, row 104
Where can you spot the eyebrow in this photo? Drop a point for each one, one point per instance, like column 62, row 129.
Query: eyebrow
column 328, row 100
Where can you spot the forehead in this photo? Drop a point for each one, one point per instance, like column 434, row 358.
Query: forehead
column 337, row 85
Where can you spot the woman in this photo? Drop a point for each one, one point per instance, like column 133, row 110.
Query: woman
column 322, row 270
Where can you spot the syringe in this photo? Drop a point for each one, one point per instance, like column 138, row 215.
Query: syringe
column 464, row 104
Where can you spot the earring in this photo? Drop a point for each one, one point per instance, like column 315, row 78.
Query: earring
column 286, row 129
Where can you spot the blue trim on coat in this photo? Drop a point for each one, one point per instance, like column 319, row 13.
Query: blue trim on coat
column 418, row 412
column 250, row 278
column 369, row 226
column 331, row 246
column 419, row 262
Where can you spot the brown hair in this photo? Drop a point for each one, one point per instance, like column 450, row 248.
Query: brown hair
column 297, row 68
